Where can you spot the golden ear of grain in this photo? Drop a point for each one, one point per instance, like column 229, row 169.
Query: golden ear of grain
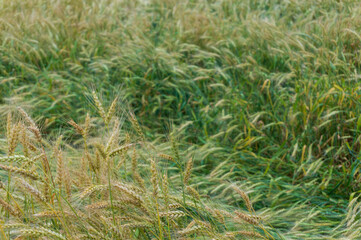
column 174, row 206
column 125, row 189
column 165, row 156
column 89, row 190
column 15, row 159
column 26, row 117
column 99, row 106
column 193, row 192
column 244, row 197
column 113, row 138
column 98, row 205
column 52, row 214
column 134, row 161
column 14, row 138
column 111, row 111
column 120, row 150
column 247, row 218
column 32, row 190
column 24, row 140
column 101, row 150
column 136, row 126
column 35, row 130
column 41, row 231
column 174, row 148
column 23, row 172
column 165, row 189
column 79, row 129
column 139, row 180
column 9, row 208
column 188, row 171
column 59, row 168
column 172, row 214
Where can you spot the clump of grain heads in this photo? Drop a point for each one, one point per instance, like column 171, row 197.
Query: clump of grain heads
column 104, row 201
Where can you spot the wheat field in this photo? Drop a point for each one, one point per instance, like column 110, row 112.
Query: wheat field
column 165, row 119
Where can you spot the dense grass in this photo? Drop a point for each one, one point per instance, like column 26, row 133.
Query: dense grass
column 263, row 94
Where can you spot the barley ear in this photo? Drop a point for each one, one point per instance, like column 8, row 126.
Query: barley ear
column 111, row 111
column 99, row 106
column 79, row 129
column 60, row 168
column 174, row 148
column 24, row 139
column 166, row 191
column 14, row 138
column 193, row 192
column 9, row 208
column 27, row 117
column 188, row 171
column 136, row 126
column 245, row 198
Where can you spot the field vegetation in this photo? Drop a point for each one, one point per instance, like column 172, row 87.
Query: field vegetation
column 165, row 119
